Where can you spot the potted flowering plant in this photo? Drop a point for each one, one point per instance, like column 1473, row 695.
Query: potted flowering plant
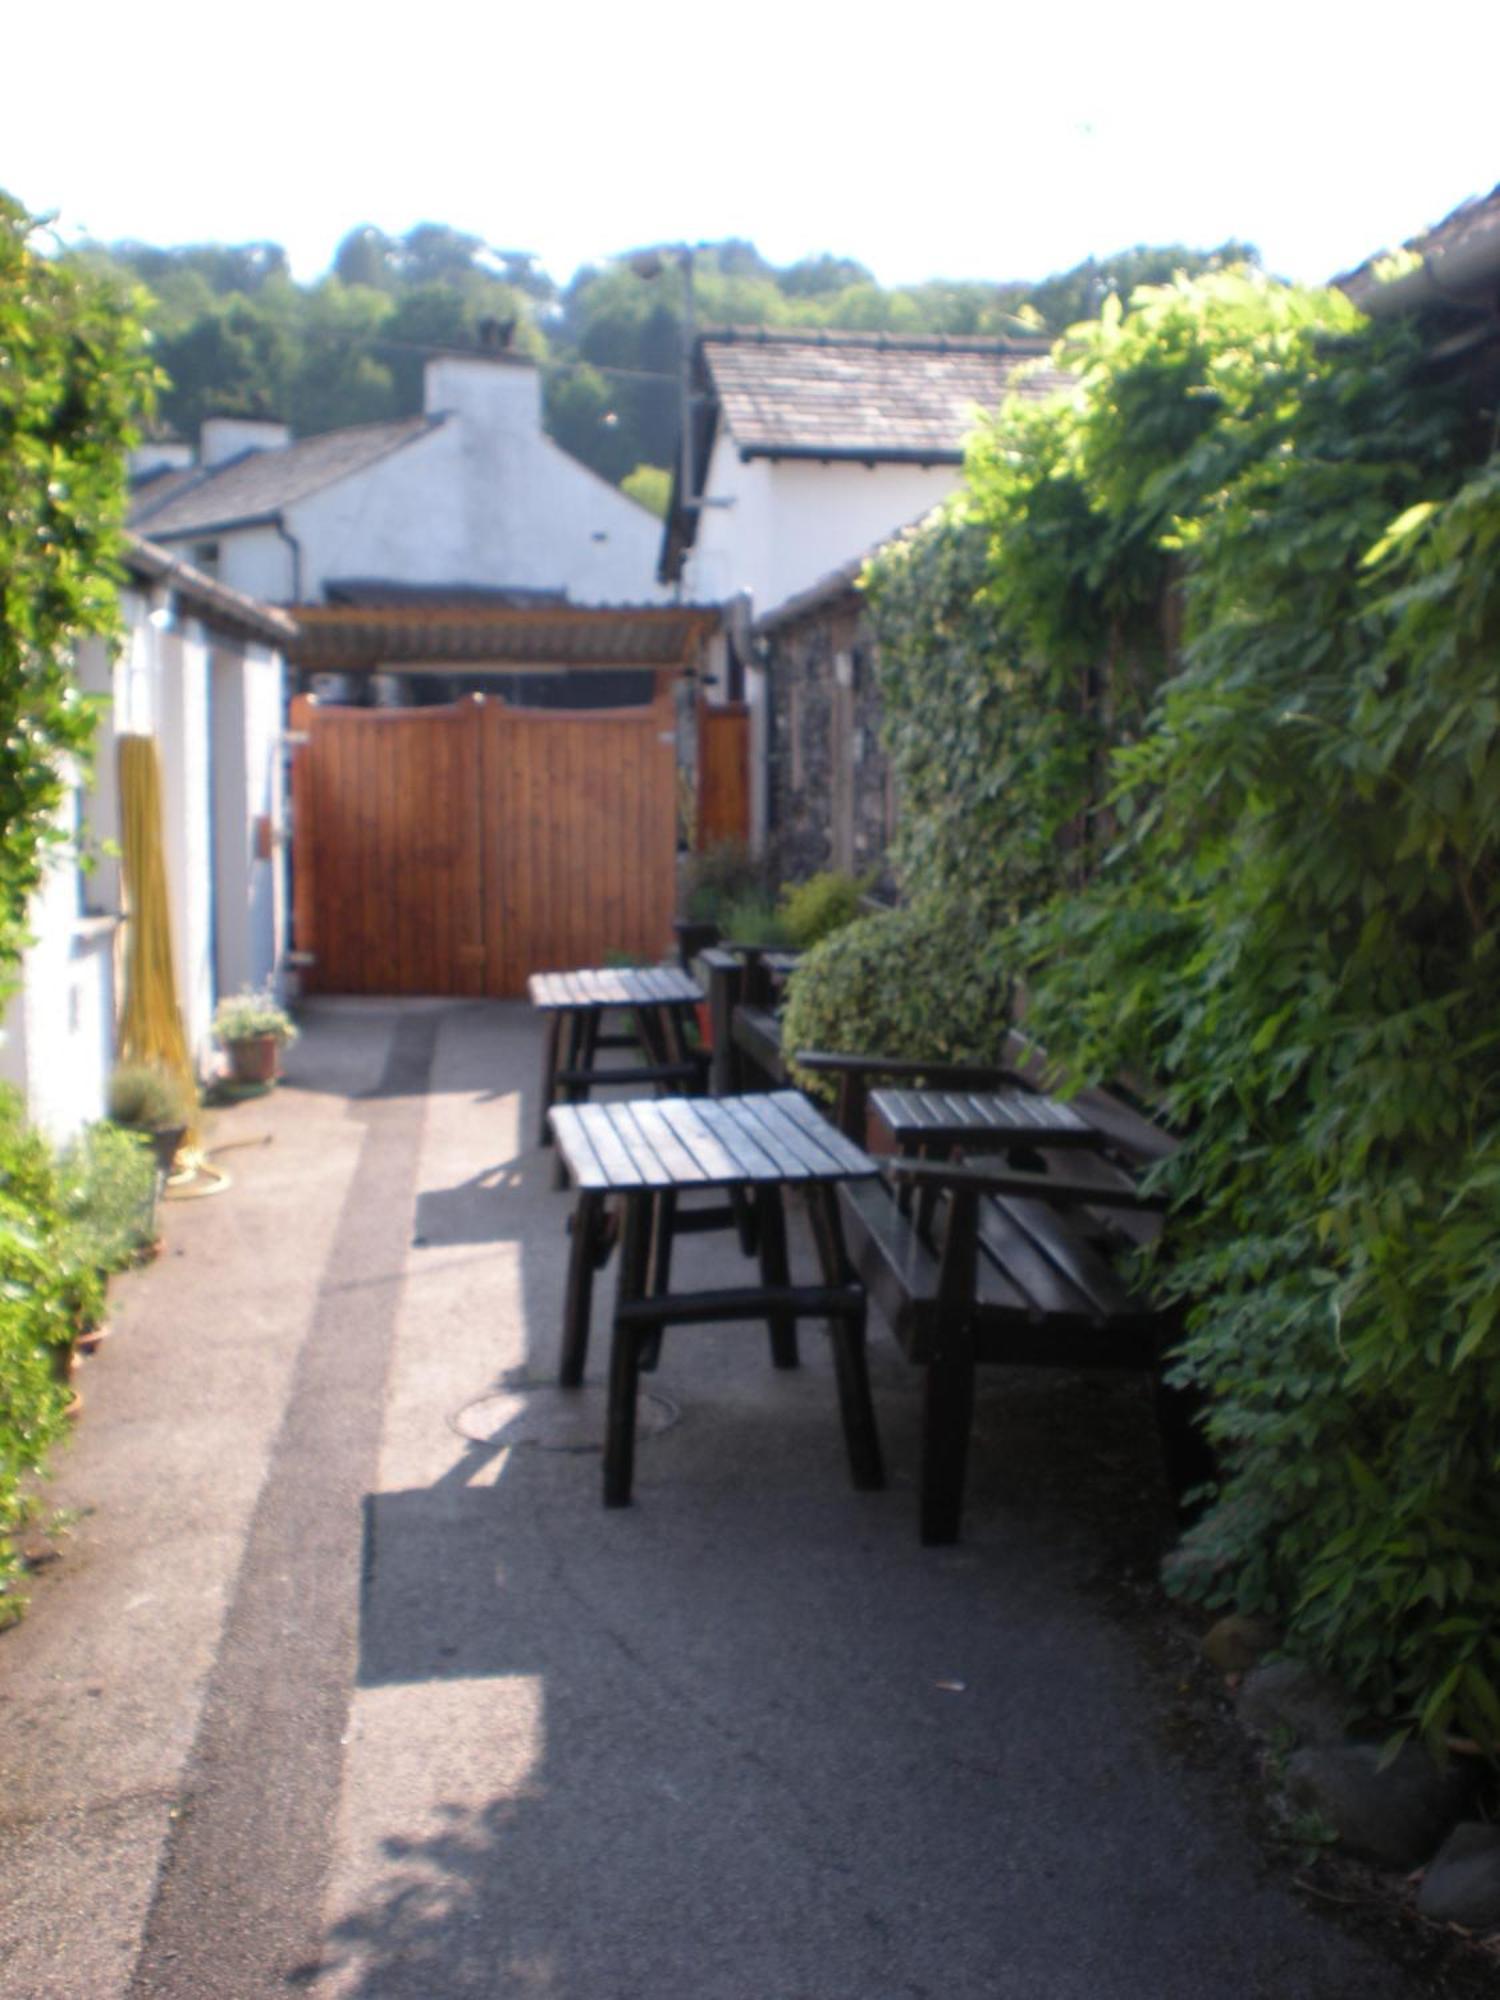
column 252, row 1030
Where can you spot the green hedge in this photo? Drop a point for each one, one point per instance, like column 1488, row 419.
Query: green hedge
column 1224, row 626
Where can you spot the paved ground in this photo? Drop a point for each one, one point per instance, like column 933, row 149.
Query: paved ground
column 348, row 1686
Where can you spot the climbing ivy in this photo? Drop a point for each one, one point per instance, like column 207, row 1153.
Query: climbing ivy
column 1233, row 635
column 75, row 373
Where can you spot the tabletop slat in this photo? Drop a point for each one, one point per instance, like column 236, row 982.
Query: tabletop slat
column 589, row 1171
column 684, row 1142
column 791, row 1123
column 612, row 986
column 721, row 1116
column 585, row 1140
column 678, row 1167
column 682, row 1114
column 956, row 1116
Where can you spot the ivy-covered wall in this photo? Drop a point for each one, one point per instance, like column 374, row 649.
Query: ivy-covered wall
column 1195, row 690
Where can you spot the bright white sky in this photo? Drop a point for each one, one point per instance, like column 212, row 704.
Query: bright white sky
column 937, row 140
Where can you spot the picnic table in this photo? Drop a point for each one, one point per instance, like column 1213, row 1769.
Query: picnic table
column 649, row 1152
column 1023, row 1269
column 656, row 1000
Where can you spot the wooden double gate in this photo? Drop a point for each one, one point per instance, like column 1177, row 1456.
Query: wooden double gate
column 455, row 850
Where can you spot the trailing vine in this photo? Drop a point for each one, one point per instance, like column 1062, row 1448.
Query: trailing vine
column 1254, row 557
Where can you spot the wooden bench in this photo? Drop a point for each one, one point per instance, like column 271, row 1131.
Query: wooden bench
column 1007, row 1260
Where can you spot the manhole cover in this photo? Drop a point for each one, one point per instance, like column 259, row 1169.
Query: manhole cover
column 556, row 1419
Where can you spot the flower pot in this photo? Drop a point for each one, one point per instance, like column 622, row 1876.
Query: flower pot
column 165, row 1140
column 255, row 1059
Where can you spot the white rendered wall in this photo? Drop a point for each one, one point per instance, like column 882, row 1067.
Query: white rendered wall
column 246, row 711
column 58, row 1039
column 183, row 742
column 486, row 497
column 791, row 522
column 259, row 562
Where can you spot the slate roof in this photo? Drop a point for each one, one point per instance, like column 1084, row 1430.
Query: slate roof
column 868, row 396
column 255, row 486
column 873, row 398
column 340, row 638
column 214, row 602
column 1460, row 266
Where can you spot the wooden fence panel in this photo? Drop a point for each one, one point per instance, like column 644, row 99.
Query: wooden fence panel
column 723, row 773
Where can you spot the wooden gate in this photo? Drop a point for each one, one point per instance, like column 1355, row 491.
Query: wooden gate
column 455, row 850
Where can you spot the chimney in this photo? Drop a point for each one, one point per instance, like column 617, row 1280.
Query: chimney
column 222, row 438
column 493, row 385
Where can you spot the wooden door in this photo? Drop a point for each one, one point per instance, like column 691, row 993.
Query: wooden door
column 723, row 773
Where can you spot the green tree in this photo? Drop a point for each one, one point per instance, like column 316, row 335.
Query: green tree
column 650, row 486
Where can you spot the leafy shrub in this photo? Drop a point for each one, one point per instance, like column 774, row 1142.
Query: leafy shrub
column 721, row 875
column 930, row 980
column 107, row 1189
column 756, row 920
column 815, row 909
column 148, row 1098
column 241, row 1017
column 47, row 1296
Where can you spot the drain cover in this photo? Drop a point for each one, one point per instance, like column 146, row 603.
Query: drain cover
column 556, row 1419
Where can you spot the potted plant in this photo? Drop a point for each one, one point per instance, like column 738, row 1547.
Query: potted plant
column 252, row 1030
column 144, row 1097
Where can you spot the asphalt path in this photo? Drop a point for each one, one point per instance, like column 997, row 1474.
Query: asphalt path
column 345, row 1684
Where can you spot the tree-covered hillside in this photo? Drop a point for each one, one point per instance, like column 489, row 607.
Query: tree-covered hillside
column 236, row 333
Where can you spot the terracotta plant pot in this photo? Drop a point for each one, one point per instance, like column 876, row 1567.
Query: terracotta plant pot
column 255, row 1060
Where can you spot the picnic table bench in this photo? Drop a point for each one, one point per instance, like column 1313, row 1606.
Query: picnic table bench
column 1009, row 1254
column 649, row 1152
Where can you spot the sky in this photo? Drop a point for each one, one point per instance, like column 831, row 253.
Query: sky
column 973, row 141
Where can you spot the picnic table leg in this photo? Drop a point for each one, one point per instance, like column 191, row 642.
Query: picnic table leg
column 947, row 1416
column 948, row 1394
column 661, row 1267
column 775, row 1270
column 625, row 1353
column 583, row 1258
column 583, row 1042
column 856, row 1409
column 549, row 1074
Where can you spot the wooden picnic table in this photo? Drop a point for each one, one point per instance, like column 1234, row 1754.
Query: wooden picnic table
column 647, row 1153
column 655, row 998
column 1023, row 1269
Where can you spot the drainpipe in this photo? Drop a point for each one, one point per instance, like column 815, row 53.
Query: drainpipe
column 296, row 548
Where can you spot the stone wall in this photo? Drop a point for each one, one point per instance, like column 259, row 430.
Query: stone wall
column 830, row 792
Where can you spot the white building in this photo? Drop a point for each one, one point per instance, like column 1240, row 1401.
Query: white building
column 470, row 493
column 200, row 669
column 811, row 447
